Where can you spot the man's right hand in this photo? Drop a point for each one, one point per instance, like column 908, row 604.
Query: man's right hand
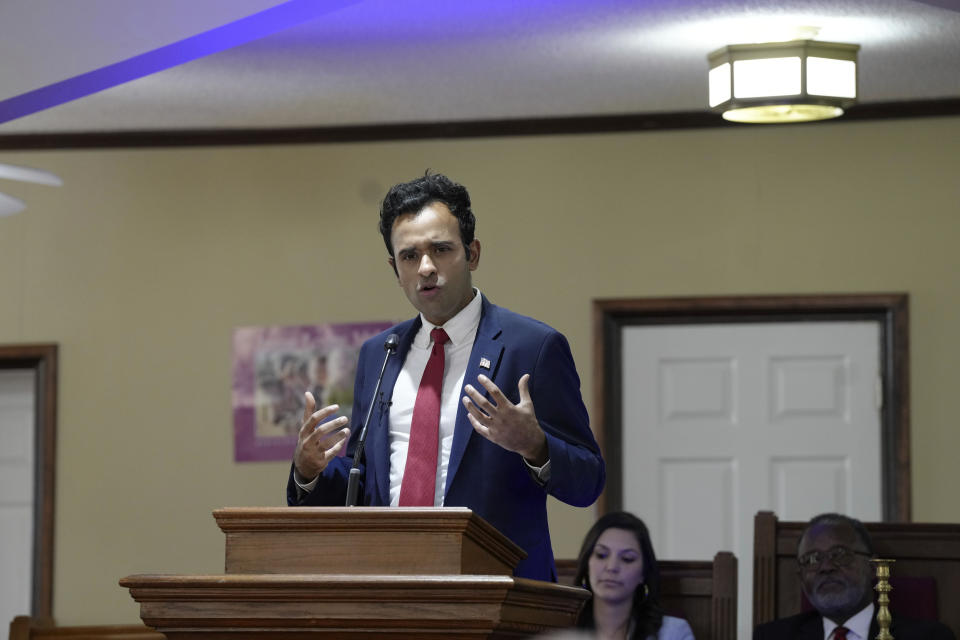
column 318, row 445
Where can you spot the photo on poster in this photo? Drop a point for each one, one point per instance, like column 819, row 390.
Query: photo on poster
column 274, row 366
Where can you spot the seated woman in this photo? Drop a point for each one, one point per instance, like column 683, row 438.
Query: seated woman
column 617, row 565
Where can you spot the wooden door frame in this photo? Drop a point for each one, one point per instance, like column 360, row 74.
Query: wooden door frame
column 890, row 310
column 42, row 360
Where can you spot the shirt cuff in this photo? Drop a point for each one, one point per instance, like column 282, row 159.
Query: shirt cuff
column 540, row 474
column 302, row 484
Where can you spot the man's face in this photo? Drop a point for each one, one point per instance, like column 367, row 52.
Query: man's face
column 838, row 587
column 431, row 262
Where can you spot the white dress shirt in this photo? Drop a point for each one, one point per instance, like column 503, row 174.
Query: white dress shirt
column 858, row 626
column 462, row 331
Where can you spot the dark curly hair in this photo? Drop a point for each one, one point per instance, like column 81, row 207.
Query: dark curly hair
column 646, row 611
column 411, row 197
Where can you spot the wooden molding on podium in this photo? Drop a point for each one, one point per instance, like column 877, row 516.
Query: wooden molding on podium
column 298, row 606
column 364, row 540
column 29, row 628
column 303, row 572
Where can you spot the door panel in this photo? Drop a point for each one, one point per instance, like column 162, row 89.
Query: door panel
column 17, row 460
column 723, row 420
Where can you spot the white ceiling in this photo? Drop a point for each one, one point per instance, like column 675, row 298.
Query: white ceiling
column 326, row 63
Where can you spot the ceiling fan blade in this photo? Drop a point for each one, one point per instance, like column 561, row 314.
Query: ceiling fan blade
column 10, row 205
column 28, row 174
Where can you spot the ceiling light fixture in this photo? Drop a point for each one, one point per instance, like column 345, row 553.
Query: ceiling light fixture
column 10, row 205
column 776, row 82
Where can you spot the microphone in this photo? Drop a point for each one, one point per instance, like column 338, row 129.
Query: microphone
column 353, row 482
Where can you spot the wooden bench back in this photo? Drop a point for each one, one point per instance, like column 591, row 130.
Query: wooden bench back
column 703, row 593
column 921, row 550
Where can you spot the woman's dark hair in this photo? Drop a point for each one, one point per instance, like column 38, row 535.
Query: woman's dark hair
column 646, row 611
column 411, row 197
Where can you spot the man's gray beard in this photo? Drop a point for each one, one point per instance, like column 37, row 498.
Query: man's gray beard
column 847, row 601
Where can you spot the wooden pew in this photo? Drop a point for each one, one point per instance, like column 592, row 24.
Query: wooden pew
column 921, row 551
column 704, row 593
column 27, row 628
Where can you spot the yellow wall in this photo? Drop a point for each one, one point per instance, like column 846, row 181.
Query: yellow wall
column 142, row 265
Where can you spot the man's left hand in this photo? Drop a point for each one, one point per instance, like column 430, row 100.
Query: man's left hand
column 512, row 426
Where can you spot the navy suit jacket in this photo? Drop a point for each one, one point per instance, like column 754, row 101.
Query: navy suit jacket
column 809, row 626
column 495, row 483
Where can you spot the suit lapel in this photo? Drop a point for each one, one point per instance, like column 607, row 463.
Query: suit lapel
column 380, row 420
column 812, row 628
column 484, row 358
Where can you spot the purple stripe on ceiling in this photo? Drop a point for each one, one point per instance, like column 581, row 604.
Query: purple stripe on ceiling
column 241, row 31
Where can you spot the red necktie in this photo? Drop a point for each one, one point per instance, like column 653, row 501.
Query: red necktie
column 420, row 473
column 840, row 633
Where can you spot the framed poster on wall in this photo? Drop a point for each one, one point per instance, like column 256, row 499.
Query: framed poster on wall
column 272, row 369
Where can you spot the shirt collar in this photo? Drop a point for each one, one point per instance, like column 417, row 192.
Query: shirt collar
column 460, row 328
column 858, row 623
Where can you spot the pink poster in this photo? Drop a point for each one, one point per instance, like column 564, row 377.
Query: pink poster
column 274, row 366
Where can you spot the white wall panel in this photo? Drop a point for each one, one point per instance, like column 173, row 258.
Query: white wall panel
column 695, row 492
column 805, row 486
column 697, row 389
column 810, row 388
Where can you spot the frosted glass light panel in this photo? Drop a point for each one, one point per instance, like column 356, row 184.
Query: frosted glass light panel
column 719, row 79
column 829, row 77
column 766, row 77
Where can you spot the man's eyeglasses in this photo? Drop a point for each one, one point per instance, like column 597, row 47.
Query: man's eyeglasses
column 839, row 556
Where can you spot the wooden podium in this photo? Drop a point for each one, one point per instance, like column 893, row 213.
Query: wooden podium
column 369, row 572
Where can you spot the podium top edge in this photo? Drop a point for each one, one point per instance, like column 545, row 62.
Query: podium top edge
column 339, row 518
column 370, row 520
column 276, row 510
column 327, row 516
column 237, row 580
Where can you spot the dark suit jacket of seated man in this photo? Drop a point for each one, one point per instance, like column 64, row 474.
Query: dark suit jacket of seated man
column 809, row 626
column 835, row 573
column 528, row 372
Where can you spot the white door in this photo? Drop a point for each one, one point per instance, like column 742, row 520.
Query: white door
column 17, row 458
column 723, row 420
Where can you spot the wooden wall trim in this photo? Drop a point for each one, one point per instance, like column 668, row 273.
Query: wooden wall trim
column 42, row 358
column 891, row 310
column 513, row 127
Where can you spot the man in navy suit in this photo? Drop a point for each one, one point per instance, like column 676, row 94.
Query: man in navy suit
column 835, row 574
column 512, row 423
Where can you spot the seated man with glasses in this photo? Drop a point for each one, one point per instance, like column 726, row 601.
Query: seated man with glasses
column 836, row 576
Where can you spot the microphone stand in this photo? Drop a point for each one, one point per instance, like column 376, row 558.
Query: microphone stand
column 353, row 482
